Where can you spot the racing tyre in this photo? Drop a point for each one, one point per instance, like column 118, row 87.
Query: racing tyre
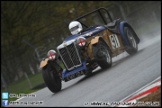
column 51, row 78
column 133, row 46
column 102, row 55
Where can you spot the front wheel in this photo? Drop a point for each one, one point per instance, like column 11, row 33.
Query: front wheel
column 130, row 34
column 102, row 55
column 51, row 78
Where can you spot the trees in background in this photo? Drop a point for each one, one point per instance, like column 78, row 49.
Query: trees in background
column 43, row 24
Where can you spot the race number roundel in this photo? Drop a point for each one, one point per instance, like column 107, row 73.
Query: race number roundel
column 114, row 41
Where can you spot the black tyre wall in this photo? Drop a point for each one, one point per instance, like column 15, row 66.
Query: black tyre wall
column 51, row 78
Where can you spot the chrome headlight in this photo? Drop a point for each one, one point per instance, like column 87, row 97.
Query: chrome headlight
column 81, row 41
column 51, row 54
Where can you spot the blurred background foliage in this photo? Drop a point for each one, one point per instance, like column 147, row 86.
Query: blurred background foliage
column 30, row 28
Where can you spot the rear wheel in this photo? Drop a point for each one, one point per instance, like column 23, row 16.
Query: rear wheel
column 51, row 78
column 102, row 55
column 130, row 34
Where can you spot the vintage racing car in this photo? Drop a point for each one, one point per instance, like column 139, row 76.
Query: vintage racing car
column 95, row 39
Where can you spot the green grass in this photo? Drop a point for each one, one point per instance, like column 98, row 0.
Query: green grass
column 62, row 65
column 23, row 87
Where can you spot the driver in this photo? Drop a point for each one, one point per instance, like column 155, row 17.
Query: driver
column 75, row 27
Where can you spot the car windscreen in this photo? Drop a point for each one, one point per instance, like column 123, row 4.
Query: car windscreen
column 98, row 17
column 91, row 20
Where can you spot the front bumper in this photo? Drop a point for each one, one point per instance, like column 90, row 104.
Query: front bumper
column 68, row 75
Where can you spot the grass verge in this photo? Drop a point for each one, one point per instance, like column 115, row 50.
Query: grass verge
column 23, row 85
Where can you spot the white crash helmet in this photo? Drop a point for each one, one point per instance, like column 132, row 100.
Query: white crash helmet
column 75, row 27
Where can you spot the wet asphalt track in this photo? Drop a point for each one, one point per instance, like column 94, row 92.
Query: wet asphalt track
column 128, row 74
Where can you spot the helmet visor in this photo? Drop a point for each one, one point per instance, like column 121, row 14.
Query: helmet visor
column 74, row 28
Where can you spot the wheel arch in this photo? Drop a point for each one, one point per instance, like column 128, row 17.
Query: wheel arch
column 121, row 30
column 96, row 40
column 43, row 63
column 101, row 39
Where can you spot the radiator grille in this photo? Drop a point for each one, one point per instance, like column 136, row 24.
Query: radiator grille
column 70, row 56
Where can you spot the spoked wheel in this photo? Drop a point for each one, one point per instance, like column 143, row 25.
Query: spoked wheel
column 102, row 55
column 130, row 34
